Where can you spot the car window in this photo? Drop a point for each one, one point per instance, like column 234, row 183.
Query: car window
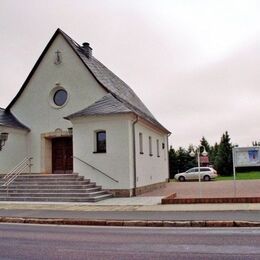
column 190, row 171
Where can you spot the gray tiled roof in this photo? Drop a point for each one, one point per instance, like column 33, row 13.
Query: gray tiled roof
column 106, row 105
column 113, row 84
column 7, row 119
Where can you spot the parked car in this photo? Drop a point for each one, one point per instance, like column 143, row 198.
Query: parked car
column 206, row 174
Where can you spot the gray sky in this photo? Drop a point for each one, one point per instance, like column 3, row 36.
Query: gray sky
column 194, row 63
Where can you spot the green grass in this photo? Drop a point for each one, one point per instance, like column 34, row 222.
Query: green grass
column 242, row 176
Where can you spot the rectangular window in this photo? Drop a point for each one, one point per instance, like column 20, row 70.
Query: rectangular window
column 141, row 143
column 101, row 141
column 158, row 148
column 150, row 146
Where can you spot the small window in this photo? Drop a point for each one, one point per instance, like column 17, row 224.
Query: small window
column 141, row 143
column 60, row 97
column 150, row 146
column 101, row 141
column 158, row 148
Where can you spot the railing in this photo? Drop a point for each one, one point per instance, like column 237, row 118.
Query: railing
column 93, row 167
column 16, row 171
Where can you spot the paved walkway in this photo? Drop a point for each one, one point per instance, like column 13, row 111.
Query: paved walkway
column 151, row 201
column 138, row 210
column 128, row 204
column 211, row 189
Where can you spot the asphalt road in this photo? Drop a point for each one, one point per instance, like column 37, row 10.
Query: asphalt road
column 136, row 215
column 68, row 242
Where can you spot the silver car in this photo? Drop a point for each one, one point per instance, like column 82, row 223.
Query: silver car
column 206, row 174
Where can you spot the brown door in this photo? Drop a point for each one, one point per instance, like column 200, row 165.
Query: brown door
column 62, row 161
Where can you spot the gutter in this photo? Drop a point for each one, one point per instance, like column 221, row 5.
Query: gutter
column 134, row 154
column 169, row 177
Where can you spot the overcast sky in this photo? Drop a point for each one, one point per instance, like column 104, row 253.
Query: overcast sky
column 194, row 63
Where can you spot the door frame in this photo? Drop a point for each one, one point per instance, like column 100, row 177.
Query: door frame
column 46, row 148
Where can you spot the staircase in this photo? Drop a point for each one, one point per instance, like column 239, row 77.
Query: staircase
column 52, row 187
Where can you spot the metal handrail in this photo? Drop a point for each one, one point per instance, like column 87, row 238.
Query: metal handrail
column 16, row 171
column 15, row 168
column 93, row 167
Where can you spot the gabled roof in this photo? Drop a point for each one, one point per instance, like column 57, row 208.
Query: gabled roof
column 104, row 106
column 9, row 120
column 107, row 79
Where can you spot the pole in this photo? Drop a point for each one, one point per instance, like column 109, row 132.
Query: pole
column 234, row 171
column 198, row 154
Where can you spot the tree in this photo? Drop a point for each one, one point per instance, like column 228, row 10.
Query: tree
column 204, row 143
column 223, row 160
column 191, row 161
column 214, row 153
column 180, row 160
column 209, row 149
column 172, row 162
column 255, row 143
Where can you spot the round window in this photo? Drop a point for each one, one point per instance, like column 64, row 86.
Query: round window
column 60, row 97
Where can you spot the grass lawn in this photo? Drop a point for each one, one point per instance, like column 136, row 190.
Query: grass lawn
column 242, row 176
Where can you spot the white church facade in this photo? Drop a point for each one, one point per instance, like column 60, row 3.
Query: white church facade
column 72, row 114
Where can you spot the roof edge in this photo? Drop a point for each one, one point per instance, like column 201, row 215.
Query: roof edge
column 58, row 31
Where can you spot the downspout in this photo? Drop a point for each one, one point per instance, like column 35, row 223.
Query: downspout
column 168, row 157
column 134, row 155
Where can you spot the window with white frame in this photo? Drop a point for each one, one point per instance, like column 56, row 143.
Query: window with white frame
column 141, row 143
column 150, row 146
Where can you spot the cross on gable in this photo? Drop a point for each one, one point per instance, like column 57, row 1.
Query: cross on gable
column 58, row 57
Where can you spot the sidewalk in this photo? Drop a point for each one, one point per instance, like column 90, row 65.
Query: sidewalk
column 135, row 211
column 128, row 204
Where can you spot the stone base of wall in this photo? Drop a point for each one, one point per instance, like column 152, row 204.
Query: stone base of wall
column 121, row 193
column 147, row 188
column 138, row 191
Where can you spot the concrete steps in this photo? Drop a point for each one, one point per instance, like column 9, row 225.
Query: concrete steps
column 52, row 187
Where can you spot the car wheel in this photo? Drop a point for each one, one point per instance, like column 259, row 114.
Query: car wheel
column 206, row 178
column 181, row 178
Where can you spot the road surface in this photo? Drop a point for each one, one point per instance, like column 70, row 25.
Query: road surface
column 69, row 242
column 136, row 215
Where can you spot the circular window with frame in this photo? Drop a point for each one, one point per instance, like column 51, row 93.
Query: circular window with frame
column 58, row 97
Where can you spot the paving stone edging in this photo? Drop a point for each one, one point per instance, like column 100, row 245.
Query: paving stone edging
column 172, row 199
column 129, row 223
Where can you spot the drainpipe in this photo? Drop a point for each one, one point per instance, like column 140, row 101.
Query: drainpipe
column 134, row 155
column 168, row 156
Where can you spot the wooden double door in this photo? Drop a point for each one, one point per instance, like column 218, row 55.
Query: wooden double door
column 62, row 160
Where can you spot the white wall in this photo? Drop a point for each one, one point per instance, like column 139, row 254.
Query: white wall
column 118, row 161
column 115, row 162
column 15, row 149
column 34, row 109
column 150, row 169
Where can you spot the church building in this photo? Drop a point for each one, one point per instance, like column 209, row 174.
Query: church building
column 74, row 115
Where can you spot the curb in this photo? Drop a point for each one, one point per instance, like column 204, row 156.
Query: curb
column 172, row 199
column 129, row 223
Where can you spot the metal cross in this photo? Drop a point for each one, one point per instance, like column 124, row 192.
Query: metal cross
column 58, row 57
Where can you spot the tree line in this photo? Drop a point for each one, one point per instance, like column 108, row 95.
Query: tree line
column 219, row 154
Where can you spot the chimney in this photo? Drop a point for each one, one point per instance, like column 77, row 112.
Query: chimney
column 87, row 49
